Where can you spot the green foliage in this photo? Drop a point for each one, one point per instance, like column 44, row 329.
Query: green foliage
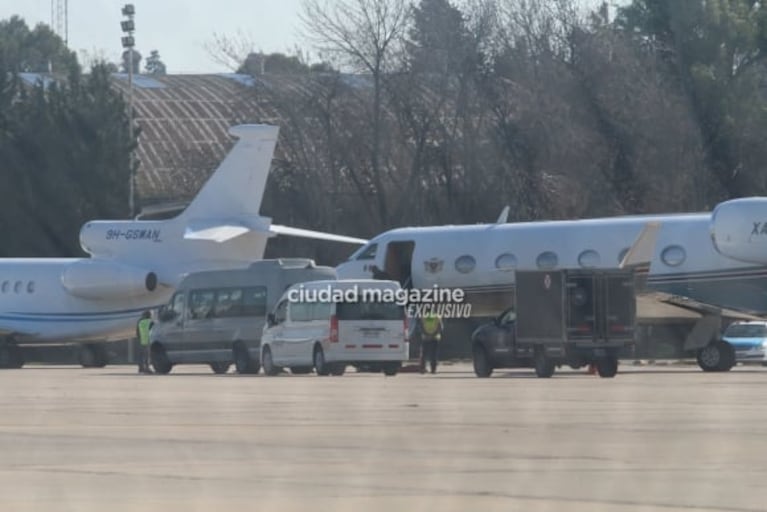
column 65, row 150
column 33, row 51
column 716, row 50
column 154, row 65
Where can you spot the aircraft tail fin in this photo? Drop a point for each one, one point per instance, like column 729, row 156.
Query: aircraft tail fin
column 236, row 187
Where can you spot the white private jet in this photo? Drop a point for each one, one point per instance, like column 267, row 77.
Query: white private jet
column 687, row 270
column 135, row 265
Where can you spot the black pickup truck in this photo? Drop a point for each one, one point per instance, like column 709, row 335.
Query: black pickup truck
column 560, row 317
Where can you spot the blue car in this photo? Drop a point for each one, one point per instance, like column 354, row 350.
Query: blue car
column 749, row 339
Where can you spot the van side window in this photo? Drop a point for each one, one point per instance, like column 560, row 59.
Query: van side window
column 301, row 311
column 228, row 302
column 369, row 253
column 201, row 304
column 254, row 301
column 281, row 312
column 321, row 310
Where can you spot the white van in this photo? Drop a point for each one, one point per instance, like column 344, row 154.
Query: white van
column 217, row 317
column 327, row 325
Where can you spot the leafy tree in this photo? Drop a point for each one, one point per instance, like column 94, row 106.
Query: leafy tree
column 33, row 51
column 716, row 49
column 154, row 65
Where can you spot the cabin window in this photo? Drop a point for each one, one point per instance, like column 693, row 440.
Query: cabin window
column 6, row 286
column 465, row 264
column 228, row 302
column 673, row 255
column 622, row 254
column 506, row 262
column 255, row 301
column 31, row 287
column 17, row 286
column 589, row 259
column 547, row 260
column 369, row 253
column 178, row 305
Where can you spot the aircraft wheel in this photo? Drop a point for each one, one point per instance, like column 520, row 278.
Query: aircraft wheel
column 92, row 355
column 11, row 356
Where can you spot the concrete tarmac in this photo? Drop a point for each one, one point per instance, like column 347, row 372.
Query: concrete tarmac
column 653, row 438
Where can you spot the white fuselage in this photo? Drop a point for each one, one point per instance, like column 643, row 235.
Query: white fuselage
column 481, row 258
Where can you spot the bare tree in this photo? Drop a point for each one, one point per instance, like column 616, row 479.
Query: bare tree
column 364, row 35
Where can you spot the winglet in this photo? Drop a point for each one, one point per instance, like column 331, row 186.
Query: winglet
column 641, row 251
column 503, row 218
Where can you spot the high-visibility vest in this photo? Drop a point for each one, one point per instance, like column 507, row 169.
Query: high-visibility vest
column 430, row 325
column 143, row 331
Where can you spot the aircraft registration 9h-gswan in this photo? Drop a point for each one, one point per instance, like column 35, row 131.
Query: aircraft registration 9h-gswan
column 709, row 263
column 134, row 265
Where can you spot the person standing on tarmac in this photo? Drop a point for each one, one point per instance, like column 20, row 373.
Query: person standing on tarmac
column 431, row 334
column 142, row 333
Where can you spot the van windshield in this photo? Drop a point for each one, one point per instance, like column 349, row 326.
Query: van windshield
column 746, row 331
column 369, row 311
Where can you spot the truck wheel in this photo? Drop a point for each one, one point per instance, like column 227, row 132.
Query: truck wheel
column 482, row 366
column 544, row 366
column 717, row 356
column 607, row 366
column 220, row 367
column 320, row 366
column 268, row 363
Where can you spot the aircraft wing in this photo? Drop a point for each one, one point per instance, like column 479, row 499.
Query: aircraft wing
column 318, row 235
column 653, row 305
column 221, row 230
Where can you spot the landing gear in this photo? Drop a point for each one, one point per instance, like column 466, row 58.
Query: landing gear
column 11, row 356
column 92, row 355
column 717, row 356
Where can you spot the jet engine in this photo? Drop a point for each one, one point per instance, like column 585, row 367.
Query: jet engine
column 93, row 279
column 739, row 229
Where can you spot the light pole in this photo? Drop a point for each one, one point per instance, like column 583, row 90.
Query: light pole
column 128, row 26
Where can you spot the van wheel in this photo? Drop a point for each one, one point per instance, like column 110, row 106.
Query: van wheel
column 243, row 363
column 320, row 366
column 219, row 367
column 160, row 361
column 300, row 370
column 482, row 366
column 268, row 363
column 391, row 369
column 338, row 370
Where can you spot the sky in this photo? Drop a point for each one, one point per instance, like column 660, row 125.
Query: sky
column 178, row 29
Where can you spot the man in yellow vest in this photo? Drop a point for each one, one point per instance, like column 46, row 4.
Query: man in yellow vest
column 142, row 333
column 431, row 333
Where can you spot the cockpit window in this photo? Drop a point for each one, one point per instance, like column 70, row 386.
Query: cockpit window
column 368, row 253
